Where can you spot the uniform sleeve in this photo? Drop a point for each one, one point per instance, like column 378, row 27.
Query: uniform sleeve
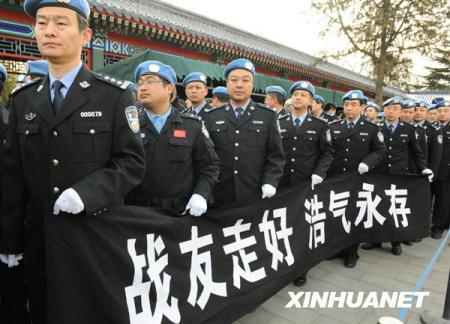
column 326, row 153
column 126, row 167
column 14, row 192
column 206, row 164
column 417, row 153
column 377, row 154
column 275, row 157
column 434, row 149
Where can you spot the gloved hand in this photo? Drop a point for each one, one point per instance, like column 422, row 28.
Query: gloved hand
column 197, row 205
column 11, row 260
column 268, row 191
column 363, row 168
column 315, row 180
column 428, row 173
column 69, row 201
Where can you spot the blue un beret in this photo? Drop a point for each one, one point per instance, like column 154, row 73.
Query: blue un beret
column 241, row 63
column 354, row 95
column 194, row 77
column 431, row 107
column 3, row 73
column 318, row 98
column 39, row 67
column 156, row 68
column 443, row 103
column 421, row 104
column 397, row 100
column 406, row 104
column 220, row 90
column 371, row 104
column 276, row 89
column 80, row 6
column 21, row 78
column 303, row 85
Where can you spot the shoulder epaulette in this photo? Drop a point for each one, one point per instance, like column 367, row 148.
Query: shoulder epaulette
column 264, row 106
column 323, row 120
column 208, row 110
column 335, row 122
column 113, row 81
column 283, row 116
column 26, row 85
column 191, row 116
column 408, row 124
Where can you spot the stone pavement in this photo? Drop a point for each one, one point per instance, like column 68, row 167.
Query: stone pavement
column 377, row 270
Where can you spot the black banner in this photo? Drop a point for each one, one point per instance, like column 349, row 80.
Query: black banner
column 142, row 265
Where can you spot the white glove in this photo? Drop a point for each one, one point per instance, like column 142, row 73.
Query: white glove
column 11, row 260
column 315, row 180
column 363, row 168
column 69, row 201
column 428, row 173
column 197, row 205
column 268, row 191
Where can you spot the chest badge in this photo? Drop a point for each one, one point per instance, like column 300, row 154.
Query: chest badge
column 30, row 116
column 132, row 116
column 85, row 84
column 179, row 133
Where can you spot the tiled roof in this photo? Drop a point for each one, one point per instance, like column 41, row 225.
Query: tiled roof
column 428, row 96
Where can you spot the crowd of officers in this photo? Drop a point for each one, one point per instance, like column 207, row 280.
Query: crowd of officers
column 78, row 143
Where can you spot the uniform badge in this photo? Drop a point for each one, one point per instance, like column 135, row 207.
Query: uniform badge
column 440, row 139
column 204, row 130
column 30, row 116
column 380, row 137
column 132, row 115
column 179, row 133
column 328, row 136
column 40, row 88
column 84, row 84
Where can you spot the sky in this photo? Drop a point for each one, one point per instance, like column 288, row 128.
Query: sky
column 289, row 22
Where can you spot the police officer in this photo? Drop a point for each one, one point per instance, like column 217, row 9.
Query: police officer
column 306, row 143
column 317, row 109
column 371, row 112
column 403, row 150
column 359, row 147
column 36, row 69
column 182, row 167
column 196, row 91
column 73, row 145
column 247, row 140
column 220, row 97
column 275, row 97
column 441, row 186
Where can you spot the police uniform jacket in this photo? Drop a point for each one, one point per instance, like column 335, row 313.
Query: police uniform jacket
column 422, row 138
column 434, row 146
column 327, row 118
column 206, row 108
column 444, row 167
column 180, row 160
column 250, row 151
column 363, row 143
column 92, row 145
column 308, row 149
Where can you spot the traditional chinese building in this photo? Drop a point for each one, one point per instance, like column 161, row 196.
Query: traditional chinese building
column 187, row 41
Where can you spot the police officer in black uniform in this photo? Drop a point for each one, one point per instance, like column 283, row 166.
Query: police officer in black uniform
column 247, row 140
column 182, row 166
column 196, row 91
column 441, row 186
column 275, row 97
column 403, row 150
column 306, row 143
column 220, row 97
column 359, row 147
column 317, row 109
column 73, row 143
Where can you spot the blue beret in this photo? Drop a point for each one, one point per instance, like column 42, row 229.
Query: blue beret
column 39, row 67
column 431, row 107
column 21, row 78
column 371, row 104
column 3, row 73
column 397, row 100
column 276, row 89
column 132, row 86
column 354, row 95
column 220, row 90
column 194, row 77
column 80, row 6
column 420, row 104
column 408, row 104
column 443, row 103
column 156, row 68
column 303, row 85
column 436, row 100
column 318, row 98
column 241, row 63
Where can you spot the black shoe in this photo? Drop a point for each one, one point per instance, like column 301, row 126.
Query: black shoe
column 350, row 261
column 408, row 243
column 417, row 240
column 370, row 246
column 397, row 249
column 436, row 234
column 300, row 281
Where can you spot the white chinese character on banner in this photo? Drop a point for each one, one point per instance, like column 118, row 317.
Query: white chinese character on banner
column 140, row 289
column 238, row 246
column 315, row 218
column 402, row 211
column 338, row 206
column 368, row 206
column 271, row 237
column 201, row 269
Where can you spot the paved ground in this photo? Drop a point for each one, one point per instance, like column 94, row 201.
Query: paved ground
column 377, row 270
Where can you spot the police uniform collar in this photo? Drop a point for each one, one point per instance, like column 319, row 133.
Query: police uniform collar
column 244, row 107
column 200, row 107
column 68, row 78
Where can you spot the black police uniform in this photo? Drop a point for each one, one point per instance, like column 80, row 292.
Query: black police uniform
column 362, row 143
column 327, row 118
column 88, row 146
column 282, row 112
column 422, row 139
column 441, row 187
column 181, row 161
column 308, row 149
column 206, row 108
column 434, row 145
column 249, row 149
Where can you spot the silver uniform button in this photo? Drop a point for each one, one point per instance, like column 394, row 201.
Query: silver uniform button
column 55, row 190
column 236, row 172
column 55, row 162
column 92, row 131
column 55, row 134
column 236, row 144
column 236, row 158
column 27, row 132
column 237, row 131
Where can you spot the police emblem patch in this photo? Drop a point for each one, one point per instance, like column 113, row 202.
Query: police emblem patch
column 30, row 116
column 132, row 115
column 153, row 68
column 380, row 137
column 440, row 139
